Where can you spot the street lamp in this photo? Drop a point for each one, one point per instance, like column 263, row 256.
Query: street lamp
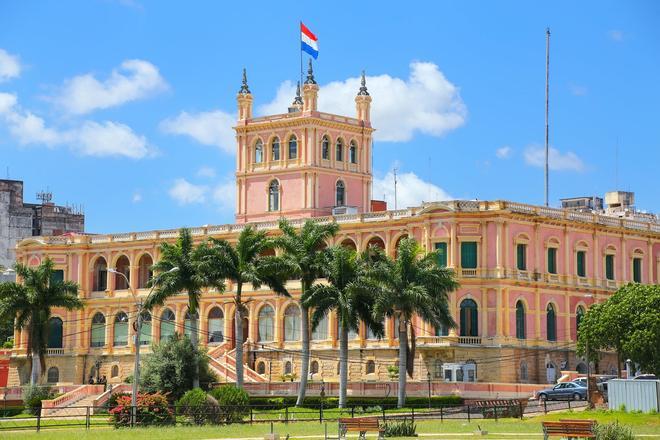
column 586, row 349
column 138, row 329
column 428, row 379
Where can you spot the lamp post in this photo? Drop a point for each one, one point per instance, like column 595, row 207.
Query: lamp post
column 586, row 349
column 138, row 330
column 428, row 379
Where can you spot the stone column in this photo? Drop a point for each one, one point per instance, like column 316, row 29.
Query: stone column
column 499, row 315
column 484, row 317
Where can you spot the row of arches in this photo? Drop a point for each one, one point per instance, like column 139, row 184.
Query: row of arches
column 340, row 153
column 550, row 321
column 101, row 275
column 275, row 149
column 275, row 194
column 314, row 367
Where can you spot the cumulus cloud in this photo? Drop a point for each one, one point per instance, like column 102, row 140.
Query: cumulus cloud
column 425, row 102
column 137, row 197
column 569, row 161
column 133, row 80
column 504, row 152
column 224, row 195
column 10, row 67
column 411, row 190
column 186, row 193
column 206, row 172
column 208, row 128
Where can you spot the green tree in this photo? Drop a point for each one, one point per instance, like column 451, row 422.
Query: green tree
column 350, row 293
column 302, row 260
column 628, row 323
column 412, row 284
column 242, row 263
column 30, row 303
column 189, row 278
column 170, row 368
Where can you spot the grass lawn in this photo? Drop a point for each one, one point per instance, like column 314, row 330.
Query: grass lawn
column 640, row 423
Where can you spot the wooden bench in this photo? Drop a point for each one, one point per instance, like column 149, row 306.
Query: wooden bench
column 361, row 425
column 569, row 428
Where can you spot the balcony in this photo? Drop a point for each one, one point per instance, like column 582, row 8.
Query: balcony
column 469, row 273
column 55, row 352
column 522, row 275
column 551, row 278
column 583, row 281
column 469, row 340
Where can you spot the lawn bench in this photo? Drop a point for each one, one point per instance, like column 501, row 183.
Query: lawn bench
column 569, row 428
column 361, row 425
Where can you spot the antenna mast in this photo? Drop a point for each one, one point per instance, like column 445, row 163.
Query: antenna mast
column 547, row 100
column 395, row 204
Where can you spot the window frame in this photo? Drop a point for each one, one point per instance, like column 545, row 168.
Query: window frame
column 292, row 147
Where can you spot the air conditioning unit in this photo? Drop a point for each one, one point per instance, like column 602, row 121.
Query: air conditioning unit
column 340, row 210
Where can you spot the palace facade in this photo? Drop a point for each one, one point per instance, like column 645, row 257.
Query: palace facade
column 527, row 273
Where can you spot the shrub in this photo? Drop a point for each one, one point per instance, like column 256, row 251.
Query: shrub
column 33, row 395
column 404, row 428
column 8, row 344
column 112, row 400
column 234, row 403
column 359, row 402
column 613, row 431
column 10, row 411
column 197, row 407
column 152, row 409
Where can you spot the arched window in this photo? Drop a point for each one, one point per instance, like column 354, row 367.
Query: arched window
column 339, row 150
column 120, row 331
column 261, row 367
column 100, row 275
column 167, row 319
column 114, row 371
column 579, row 314
column 314, row 368
column 53, row 375
column 188, row 326
column 352, row 152
column 55, row 333
column 259, row 152
column 288, row 367
column 376, row 242
column 275, row 148
column 340, row 199
column 144, row 271
column 443, row 330
column 266, row 324
column 145, row 331
column 325, row 148
column 551, row 323
column 123, row 266
column 274, row 196
column 520, row 321
column 370, row 333
column 293, row 147
column 320, row 332
column 98, row 330
column 469, row 318
column 524, row 373
column 371, row 367
column 216, row 325
column 348, row 243
column 292, row 323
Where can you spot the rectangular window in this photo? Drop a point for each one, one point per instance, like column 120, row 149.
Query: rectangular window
column 521, row 250
column 441, row 249
column 609, row 267
column 552, row 260
column 581, row 259
column 469, row 254
column 637, row 270
column 57, row 276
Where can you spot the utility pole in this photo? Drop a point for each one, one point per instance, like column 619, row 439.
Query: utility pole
column 547, row 101
column 395, row 201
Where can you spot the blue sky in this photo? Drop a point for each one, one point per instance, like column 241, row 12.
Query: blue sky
column 124, row 106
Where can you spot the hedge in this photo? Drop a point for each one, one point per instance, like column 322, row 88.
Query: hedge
column 332, row 402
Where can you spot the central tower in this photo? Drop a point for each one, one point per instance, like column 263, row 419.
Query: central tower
column 303, row 163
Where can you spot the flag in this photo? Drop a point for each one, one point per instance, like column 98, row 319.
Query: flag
column 308, row 41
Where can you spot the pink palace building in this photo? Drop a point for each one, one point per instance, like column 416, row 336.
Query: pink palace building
column 527, row 273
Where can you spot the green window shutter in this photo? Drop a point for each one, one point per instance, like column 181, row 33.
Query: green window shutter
column 441, row 249
column 580, row 264
column 609, row 267
column 98, row 335
column 55, row 333
column 166, row 330
column 120, row 334
column 57, row 276
column 551, row 324
column 552, row 260
column 522, row 256
column 469, row 255
column 637, row 270
column 520, row 321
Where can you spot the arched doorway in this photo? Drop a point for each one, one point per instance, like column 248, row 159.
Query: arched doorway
column 246, row 328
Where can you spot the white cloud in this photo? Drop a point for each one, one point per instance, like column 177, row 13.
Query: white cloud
column 137, row 197
column 224, row 194
column 616, row 35
column 425, row 102
column 569, row 161
column 504, row 152
column 186, row 193
column 10, row 67
column 206, row 172
column 208, row 128
column 135, row 79
column 411, row 190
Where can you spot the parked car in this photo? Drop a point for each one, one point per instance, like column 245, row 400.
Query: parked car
column 646, row 377
column 582, row 381
column 564, row 391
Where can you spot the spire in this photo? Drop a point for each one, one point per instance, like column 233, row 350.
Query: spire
column 310, row 74
column 298, row 99
column 244, row 86
column 363, row 86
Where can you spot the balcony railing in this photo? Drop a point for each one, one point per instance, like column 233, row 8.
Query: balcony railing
column 54, row 352
column 469, row 273
column 469, row 340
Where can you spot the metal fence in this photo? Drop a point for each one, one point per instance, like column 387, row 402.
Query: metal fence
column 89, row 417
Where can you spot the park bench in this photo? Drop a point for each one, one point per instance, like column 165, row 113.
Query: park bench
column 501, row 407
column 361, row 425
column 569, row 429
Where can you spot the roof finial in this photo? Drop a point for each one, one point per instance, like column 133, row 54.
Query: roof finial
column 363, row 86
column 244, row 86
column 298, row 99
column 310, row 74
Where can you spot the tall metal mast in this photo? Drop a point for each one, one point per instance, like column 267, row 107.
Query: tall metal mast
column 547, row 102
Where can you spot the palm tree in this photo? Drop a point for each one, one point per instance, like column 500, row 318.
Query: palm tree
column 351, row 294
column 412, row 284
column 242, row 263
column 30, row 303
column 302, row 258
column 188, row 278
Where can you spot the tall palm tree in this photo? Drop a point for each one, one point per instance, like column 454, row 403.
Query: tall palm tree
column 242, row 263
column 351, row 294
column 302, row 257
column 189, row 278
column 30, row 303
column 412, row 284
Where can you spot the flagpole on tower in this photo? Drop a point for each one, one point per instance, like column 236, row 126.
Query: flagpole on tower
column 301, row 53
column 547, row 125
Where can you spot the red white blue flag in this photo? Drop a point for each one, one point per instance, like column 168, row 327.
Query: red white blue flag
column 308, row 41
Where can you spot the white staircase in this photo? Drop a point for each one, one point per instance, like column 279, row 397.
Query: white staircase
column 223, row 362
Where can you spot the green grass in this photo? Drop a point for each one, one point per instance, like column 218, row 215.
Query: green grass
column 640, row 423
